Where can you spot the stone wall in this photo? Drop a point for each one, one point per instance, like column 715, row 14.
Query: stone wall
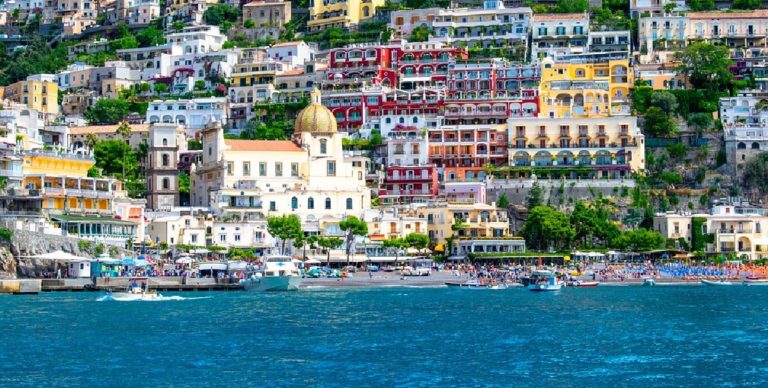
column 15, row 260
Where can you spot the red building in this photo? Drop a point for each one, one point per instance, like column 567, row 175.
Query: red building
column 422, row 64
column 407, row 184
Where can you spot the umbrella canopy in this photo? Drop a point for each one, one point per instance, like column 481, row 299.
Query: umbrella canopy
column 313, row 261
column 141, row 263
column 184, row 260
column 60, row 256
column 128, row 261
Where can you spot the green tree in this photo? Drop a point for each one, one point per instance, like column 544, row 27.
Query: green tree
column 756, row 173
column 220, row 13
column 669, row 7
column 178, row 25
column 150, row 36
column 271, row 130
column 124, row 131
column 107, row 111
column 665, row 100
column 194, row 145
column 677, row 151
column 535, row 196
column 700, row 5
column 746, row 4
column 591, row 224
column 248, row 23
column 656, row 123
column 184, row 183
column 707, row 66
column 285, row 228
column 640, row 240
column 396, row 244
column 546, row 227
column 353, row 226
column 571, row 6
column 502, row 202
column 199, row 85
column 329, row 243
column 418, row 241
column 160, row 88
column 420, row 34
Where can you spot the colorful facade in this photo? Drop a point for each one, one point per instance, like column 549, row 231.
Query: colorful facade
column 342, row 13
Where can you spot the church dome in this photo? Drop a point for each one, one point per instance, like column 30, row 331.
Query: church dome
column 315, row 118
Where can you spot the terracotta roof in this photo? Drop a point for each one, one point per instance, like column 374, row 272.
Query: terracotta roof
column 292, row 72
column 756, row 14
column 103, row 129
column 286, row 44
column 543, row 17
column 262, row 145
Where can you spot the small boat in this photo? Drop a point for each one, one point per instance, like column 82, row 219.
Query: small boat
column 279, row 274
column 581, row 284
column 755, row 282
column 544, row 281
column 473, row 284
column 721, row 282
column 134, row 292
column 649, row 282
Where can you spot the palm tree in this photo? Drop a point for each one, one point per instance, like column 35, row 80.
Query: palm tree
column 90, row 141
column 124, row 131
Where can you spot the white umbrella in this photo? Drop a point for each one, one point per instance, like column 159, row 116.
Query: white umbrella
column 313, row 261
column 184, row 260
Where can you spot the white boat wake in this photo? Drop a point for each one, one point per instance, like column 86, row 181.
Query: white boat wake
column 109, row 298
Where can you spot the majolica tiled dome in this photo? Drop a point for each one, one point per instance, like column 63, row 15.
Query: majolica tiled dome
column 315, row 118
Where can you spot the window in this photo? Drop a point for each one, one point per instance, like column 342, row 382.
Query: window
column 349, row 203
column 165, row 142
column 294, row 169
column 222, row 238
column 323, row 146
column 194, row 238
column 310, row 203
column 278, row 169
column 262, row 168
column 230, row 168
column 237, row 237
column 294, row 203
column 247, row 168
column 166, row 160
column 331, row 168
column 328, row 204
column 166, row 184
column 272, row 206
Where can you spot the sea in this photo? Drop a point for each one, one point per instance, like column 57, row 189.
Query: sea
column 404, row 337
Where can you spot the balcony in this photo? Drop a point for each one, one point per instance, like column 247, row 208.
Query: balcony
column 735, row 231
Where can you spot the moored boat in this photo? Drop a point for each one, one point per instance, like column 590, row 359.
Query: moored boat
column 755, row 282
column 544, row 281
column 721, row 282
column 581, row 284
column 649, row 282
column 279, row 274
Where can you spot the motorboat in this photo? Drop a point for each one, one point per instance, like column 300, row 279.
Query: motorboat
column 476, row 284
column 544, row 281
column 278, row 274
column 755, row 282
column 649, row 282
column 582, row 284
column 721, row 282
column 134, row 292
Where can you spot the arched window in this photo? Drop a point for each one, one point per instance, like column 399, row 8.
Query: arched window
column 328, row 204
column 755, row 146
column 166, row 160
column 294, row 203
column 310, row 203
column 349, row 203
column 323, row 146
column 166, row 184
column 165, row 141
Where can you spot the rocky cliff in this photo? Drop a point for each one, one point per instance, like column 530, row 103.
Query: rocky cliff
column 15, row 260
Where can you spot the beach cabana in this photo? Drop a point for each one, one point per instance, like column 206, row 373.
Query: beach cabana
column 77, row 266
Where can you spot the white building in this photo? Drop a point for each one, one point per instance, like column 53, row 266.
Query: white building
column 490, row 26
column 193, row 114
column 309, row 176
column 197, row 39
column 745, row 126
column 293, row 53
column 559, row 35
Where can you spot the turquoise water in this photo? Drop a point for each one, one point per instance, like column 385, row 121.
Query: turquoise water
column 662, row 336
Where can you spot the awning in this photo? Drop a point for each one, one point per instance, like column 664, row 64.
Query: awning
column 60, row 256
column 90, row 220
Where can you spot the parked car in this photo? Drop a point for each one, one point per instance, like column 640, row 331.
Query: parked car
column 350, row 268
column 372, row 268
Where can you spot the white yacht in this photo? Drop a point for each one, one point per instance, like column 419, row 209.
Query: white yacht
column 279, row 274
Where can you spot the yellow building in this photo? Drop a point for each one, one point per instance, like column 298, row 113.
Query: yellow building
column 54, row 182
column 585, row 89
column 39, row 92
column 341, row 13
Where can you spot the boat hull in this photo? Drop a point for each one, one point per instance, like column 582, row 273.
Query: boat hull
column 545, row 287
column 715, row 283
column 272, row 283
column 586, row 284
column 130, row 297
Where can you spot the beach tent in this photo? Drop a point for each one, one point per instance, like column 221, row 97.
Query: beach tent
column 60, row 256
